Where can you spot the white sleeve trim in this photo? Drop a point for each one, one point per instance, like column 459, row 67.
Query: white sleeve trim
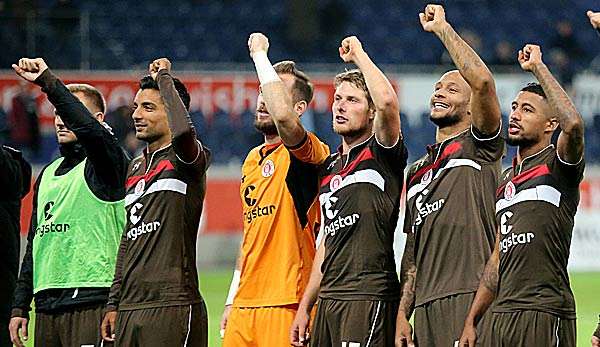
column 567, row 163
column 392, row 146
column 487, row 139
column 233, row 288
column 200, row 150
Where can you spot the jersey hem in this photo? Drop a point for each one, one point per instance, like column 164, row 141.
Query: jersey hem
column 444, row 295
column 157, row 304
column 563, row 315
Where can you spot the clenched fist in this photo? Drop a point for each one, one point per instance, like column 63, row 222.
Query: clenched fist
column 594, row 19
column 530, row 57
column 433, row 19
column 350, row 48
column 30, row 69
column 157, row 65
column 257, row 42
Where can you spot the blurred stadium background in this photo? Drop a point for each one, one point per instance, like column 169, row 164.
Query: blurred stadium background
column 110, row 43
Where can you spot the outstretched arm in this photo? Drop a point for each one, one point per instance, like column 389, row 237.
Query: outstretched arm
column 387, row 110
column 280, row 104
column 408, row 274
column 183, row 133
column 485, row 108
column 570, row 140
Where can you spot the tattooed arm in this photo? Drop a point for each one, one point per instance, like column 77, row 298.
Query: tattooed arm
column 408, row 273
column 485, row 108
column 570, row 140
column 486, row 293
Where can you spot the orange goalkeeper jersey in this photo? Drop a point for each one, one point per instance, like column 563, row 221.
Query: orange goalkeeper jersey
column 279, row 186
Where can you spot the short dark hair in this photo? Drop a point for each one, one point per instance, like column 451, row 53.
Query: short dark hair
column 147, row 82
column 91, row 93
column 303, row 88
column 356, row 77
column 535, row 88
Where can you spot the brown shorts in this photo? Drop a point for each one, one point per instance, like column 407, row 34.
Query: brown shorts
column 440, row 322
column 78, row 327
column 163, row 326
column 354, row 323
column 532, row 328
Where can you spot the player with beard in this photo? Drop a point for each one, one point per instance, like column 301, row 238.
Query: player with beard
column 155, row 298
column 536, row 204
column 279, row 185
column 449, row 217
column 354, row 272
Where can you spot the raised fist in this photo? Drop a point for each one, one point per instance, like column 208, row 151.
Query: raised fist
column 594, row 19
column 530, row 57
column 433, row 18
column 349, row 48
column 258, row 42
column 30, row 69
column 157, row 65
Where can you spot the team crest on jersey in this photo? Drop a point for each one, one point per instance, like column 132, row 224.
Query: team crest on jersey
column 426, row 179
column 268, row 168
column 139, row 187
column 509, row 191
column 335, row 183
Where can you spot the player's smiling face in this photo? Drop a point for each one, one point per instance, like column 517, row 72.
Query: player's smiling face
column 150, row 116
column 528, row 121
column 351, row 113
column 449, row 103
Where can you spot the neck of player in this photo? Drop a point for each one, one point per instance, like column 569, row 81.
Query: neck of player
column 350, row 141
column 524, row 152
column 159, row 143
column 272, row 139
column 444, row 133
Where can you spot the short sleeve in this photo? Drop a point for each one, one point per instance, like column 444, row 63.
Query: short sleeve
column 311, row 150
column 488, row 148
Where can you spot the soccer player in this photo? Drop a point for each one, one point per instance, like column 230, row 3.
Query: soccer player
column 536, row 204
column 155, row 299
column 449, row 217
column 354, row 272
column 77, row 219
column 279, row 186
column 15, row 180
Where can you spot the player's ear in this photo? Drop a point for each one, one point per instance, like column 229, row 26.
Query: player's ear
column 99, row 116
column 552, row 124
column 300, row 107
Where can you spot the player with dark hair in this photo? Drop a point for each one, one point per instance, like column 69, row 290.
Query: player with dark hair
column 15, row 178
column 279, row 186
column 536, row 204
column 354, row 272
column 449, row 217
column 77, row 219
column 155, row 299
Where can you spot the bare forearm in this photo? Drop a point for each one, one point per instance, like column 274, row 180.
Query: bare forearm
column 470, row 65
column 381, row 90
column 568, row 117
column 486, row 293
column 314, row 283
column 408, row 274
column 280, row 106
column 387, row 118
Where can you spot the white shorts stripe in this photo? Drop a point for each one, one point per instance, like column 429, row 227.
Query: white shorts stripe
column 187, row 335
column 539, row 193
column 373, row 326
